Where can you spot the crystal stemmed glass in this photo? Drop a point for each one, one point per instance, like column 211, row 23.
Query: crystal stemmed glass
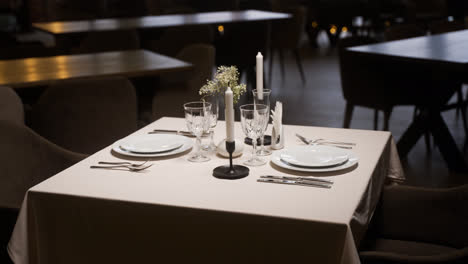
column 253, row 118
column 214, row 114
column 197, row 119
column 263, row 99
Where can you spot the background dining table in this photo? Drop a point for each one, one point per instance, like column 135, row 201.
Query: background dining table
column 428, row 70
column 29, row 72
column 176, row 211
column 58, row 28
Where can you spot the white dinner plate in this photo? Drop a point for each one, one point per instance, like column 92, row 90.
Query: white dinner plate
column 276, row 159
column 147, row 144
column 314, row 156
column 186, row 145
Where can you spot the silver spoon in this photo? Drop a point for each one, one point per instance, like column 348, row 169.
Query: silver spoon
column 121, row 166
column 123, row 163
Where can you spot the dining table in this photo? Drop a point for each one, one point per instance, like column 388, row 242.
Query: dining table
column 28, row 72
column 176, row 212
column 430, row 70
column 59, row 28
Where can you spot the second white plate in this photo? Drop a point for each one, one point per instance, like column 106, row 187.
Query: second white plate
column 314, row 156
column 352, row 160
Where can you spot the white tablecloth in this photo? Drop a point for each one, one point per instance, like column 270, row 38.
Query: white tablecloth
column 177, row 212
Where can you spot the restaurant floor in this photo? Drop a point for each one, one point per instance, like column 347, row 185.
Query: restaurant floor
column 320, row 102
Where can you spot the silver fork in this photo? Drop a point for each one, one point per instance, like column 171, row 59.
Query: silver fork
column 135, row 165
column 121, row 166
column 334, row 143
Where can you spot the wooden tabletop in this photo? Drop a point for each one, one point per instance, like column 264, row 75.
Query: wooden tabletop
column 163, row 21
column 444, row 48
column 41, row 71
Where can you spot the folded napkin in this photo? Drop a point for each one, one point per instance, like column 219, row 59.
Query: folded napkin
column 277, row 138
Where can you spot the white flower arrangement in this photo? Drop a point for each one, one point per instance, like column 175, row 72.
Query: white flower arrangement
column 224, row 77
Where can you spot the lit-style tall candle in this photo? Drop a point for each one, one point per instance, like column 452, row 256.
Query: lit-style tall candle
column 229, row 113
column 259, row 75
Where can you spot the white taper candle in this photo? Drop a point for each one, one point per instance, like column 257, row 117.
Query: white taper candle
column 229, row 113
column 260, row 75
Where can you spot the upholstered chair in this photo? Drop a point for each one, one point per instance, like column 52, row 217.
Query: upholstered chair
column 179, row 88
column 86, row 115
column 27, row 159
column 286, row 36
column 11, row 107
column 109, row 41
column 419, row 225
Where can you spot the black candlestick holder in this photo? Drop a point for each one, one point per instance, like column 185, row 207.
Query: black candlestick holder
column 231, row 172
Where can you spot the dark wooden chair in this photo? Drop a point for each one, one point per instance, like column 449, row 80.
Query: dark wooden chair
column 419, row 225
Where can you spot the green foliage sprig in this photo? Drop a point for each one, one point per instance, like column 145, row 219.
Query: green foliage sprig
column 225, row 77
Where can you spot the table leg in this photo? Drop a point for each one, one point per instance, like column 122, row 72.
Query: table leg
column 412, row 134
column 447, row 146
column 432, row 121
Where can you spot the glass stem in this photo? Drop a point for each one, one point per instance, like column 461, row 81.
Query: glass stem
column 198, row 147
column 262, row 147
column 254, row 148
column 211, row 136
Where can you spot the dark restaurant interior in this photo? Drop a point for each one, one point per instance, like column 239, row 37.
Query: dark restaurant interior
column 78, row 75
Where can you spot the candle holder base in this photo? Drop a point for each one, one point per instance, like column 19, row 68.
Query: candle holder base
column 231, row 172
column 228, row 173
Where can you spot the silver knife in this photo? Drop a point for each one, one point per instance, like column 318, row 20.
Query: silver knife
column 296, row 178
column 178, row 132
column 301, row 183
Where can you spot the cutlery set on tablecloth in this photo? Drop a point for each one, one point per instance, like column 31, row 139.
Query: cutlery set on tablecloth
column 318, row 155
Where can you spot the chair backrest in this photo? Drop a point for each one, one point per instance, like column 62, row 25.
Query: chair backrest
column 391, row 83
column 404, row 31
column 287, row 34
column 444, row 210
column 426, row 9
column 11, row 107
column 27, row 159
column 177, row 89
column 86, row 115
column 173, row 40
column 110, row 41
column 444, row 26
column 357, row 89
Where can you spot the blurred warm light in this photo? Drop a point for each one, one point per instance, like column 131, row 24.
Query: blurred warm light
column 221, row 28
column 314, row 24
column 333, row 29
column 344, row 29
column 387, row 23
column 63, row 74
column 60, row 60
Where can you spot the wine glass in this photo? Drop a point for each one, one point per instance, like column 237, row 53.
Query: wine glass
column 263, row 98
column 197, row 119
column 253, row 118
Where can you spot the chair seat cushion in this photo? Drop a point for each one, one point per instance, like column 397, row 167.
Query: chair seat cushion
column 410, row 248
